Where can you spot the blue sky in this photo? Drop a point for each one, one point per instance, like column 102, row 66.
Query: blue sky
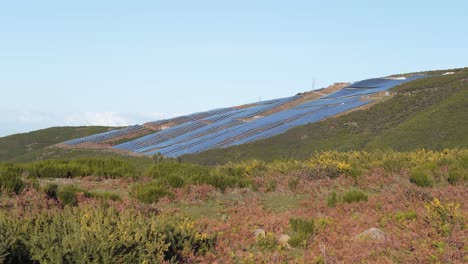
column 123, row 62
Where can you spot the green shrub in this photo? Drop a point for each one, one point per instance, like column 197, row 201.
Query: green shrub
column 10, row 179
column 99, row 235
column 456, row 174
column 267, row 242
column 67, row 195
column 51, row 190
column 332, row 199
column 354, row 196
column 302, row 229
column 149, row 192
column 176, row 175
column 406, row 216
column 421, row 177
column 105, row 196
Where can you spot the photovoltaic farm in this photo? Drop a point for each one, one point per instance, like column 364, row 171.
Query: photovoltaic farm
column 225, row 127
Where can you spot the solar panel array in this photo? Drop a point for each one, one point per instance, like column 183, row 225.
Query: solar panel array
column 106, row 136
column 224, row 127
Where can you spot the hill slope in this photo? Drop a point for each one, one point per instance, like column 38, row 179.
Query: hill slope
column 20, row 144
column 428, row 113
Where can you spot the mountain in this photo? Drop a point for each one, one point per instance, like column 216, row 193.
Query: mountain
column 427, row 113
column 400, row 112
column 19, row 144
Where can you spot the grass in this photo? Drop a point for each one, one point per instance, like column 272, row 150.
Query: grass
column 302, row 229
column 278, row 202
column 19, row 144
column 354, row 196
column 427, row 113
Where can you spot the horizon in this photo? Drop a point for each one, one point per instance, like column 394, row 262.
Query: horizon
column 114, row 63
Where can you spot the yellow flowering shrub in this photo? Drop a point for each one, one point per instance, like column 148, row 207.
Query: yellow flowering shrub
column 444, row 216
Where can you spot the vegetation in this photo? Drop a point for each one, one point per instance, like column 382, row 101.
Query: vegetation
column 99, row 235
column 354, row 196
column 109, row 168
column 444, row 217
column 282, row 197
column 426, row 113
column 20, row 144
column 302, row 229
column 10, row 180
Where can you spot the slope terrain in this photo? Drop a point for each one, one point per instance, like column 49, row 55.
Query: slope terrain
column 232, row 126
column 426, row 113
column 20, row 144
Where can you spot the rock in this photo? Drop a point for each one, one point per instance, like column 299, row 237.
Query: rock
column 259, row 233
column 372, row 233
column 283, row 240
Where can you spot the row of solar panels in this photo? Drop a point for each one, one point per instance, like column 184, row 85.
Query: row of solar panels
column 102, row 137
column 257, row 129
column 212, row 123
column 226, row 127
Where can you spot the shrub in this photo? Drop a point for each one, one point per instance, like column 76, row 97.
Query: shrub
column 354, row 196
column 456, row 174
column 51, row 190
column 10, row 179
column 332, row 199
column 444, row 216
column 67, row 195
column 106, row 196
column 268, row 242
column 421, row 177
column 176, row 175
column 101, row 235
column 149, row 193
column 302, row 229
column 406, row 216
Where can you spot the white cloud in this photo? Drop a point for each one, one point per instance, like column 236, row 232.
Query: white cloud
column 96, row 119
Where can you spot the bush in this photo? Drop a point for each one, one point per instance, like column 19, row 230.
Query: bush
column 100, row 235
column 51, row 190
column 106, row 196
column 173, row 174
column 421, row 177
column 332, row 199
column 67, row 195
column 149, row 193
column 302, row 229
column 268, row 242
column 10, row 179
column 456, row 174
column 354, row 196
column 444, row 216
column 406, row 216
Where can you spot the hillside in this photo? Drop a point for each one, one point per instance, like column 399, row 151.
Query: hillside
column 237, row 125
column 426, row 113
column 20, row 144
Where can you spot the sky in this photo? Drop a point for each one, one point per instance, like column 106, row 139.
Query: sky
column 88, row 62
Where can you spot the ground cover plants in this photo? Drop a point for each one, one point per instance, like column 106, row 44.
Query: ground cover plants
column 324, row 209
